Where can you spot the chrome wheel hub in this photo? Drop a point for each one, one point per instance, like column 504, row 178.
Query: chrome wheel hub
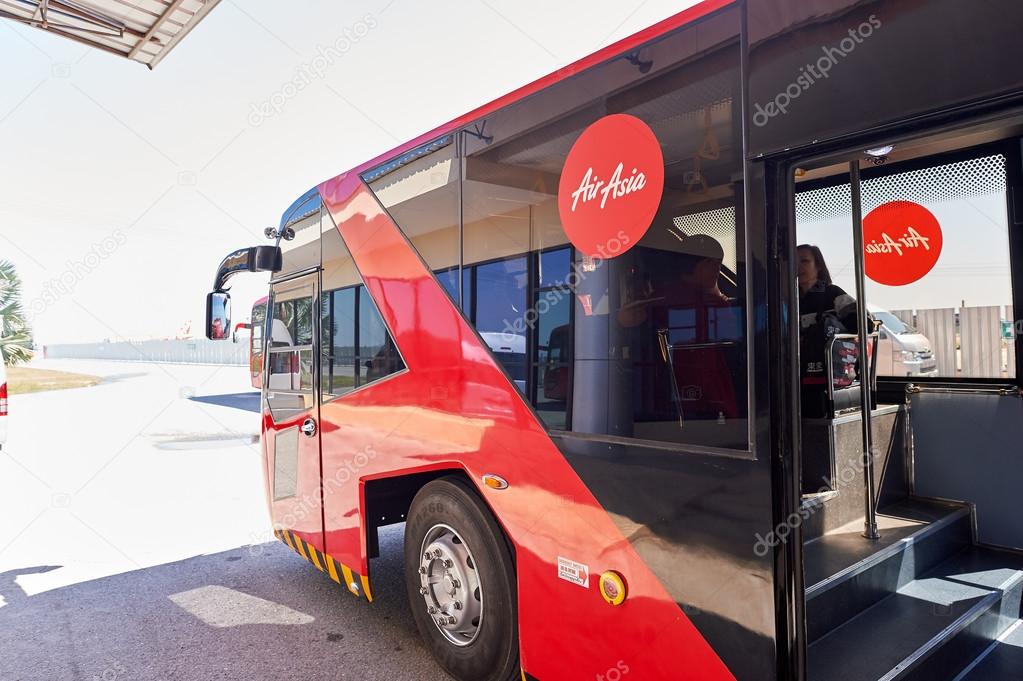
column 450, row 585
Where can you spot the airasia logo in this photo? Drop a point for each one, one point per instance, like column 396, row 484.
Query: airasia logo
column 902, row 242
column 611, row 186
column 616, row 188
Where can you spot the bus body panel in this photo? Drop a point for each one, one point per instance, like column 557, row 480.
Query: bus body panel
column 454, row 406
column 879, row 63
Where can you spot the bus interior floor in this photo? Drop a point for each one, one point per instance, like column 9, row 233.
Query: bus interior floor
column 923, row 602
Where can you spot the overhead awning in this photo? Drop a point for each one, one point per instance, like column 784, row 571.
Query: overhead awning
column 141, row 30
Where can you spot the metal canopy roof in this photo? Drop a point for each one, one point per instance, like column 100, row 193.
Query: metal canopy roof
column 141, row 30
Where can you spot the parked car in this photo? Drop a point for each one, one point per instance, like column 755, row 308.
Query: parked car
column 902, row 351
column 3, row 404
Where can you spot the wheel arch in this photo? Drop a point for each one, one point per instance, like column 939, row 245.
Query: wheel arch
column 387, row 500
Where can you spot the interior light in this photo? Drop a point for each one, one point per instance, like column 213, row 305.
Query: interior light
column 881, row 151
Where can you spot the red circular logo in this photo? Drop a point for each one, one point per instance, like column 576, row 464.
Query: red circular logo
column 611, row 186
column 902, row 242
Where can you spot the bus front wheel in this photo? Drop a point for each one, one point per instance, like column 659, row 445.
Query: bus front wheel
column 461, row 583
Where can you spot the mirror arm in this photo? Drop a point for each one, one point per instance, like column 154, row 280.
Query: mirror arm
column 252, row 259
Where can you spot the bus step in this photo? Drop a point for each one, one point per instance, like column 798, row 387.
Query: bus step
column 1002, row 661
column 844, row 582
column 932, row 628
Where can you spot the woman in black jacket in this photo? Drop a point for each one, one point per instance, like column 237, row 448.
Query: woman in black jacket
column 824, row 310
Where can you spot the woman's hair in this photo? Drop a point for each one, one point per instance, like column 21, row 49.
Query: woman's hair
column 823, row 275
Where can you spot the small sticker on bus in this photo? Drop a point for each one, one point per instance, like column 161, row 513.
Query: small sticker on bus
column 574, row 572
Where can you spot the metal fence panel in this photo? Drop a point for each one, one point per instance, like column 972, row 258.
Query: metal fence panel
column 939, row 326
column 193, row 351
column 980, row 338
column 904, row 315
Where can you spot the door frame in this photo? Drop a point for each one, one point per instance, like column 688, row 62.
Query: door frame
column 309, row 497
column 779, row 187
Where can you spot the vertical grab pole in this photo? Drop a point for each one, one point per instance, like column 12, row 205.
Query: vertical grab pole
column 870, row 496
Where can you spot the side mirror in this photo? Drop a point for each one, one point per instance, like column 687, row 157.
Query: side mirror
column 218, row 315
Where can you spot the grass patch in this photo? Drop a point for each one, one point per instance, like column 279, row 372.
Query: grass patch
column 22, row 380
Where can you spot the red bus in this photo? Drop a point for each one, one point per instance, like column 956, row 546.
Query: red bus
column 595, row 345
column 255, row 329
column 258, row 320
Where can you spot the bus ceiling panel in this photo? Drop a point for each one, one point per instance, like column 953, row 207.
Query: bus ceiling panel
column 144, row 31
column 533, row 178
column 827, row 69
column 904, row 150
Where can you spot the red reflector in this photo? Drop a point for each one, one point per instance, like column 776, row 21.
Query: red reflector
column 3, row 399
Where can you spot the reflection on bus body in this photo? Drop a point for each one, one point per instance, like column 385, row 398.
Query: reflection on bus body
column 689, row 351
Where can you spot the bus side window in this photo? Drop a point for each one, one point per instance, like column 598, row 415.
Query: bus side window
column 356, row 347
column 290, row 366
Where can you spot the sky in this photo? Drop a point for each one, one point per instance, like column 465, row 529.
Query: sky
column 122, row 188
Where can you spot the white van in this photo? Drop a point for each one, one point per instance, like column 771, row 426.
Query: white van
column 903, row 351
column 3, row 404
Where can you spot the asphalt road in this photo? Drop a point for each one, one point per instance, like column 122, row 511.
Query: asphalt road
column 135, row 544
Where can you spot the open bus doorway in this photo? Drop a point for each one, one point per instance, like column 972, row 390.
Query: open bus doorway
column 908, row 468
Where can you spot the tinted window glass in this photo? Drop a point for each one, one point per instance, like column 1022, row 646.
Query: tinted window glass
column 339, row 342
column 304, row 321
column 356, row 347
column 501, row 300
column 449, row 280
column 650, row 342
column 552, row 365
column 290, row 377
column 256, row 340
column 420, row 192
column 378, row 357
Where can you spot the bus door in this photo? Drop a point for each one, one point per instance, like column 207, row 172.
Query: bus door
column 291, row 411
column 925, row 231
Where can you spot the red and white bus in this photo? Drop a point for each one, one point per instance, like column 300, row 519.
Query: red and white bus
column 595, row 345
column 256, row 324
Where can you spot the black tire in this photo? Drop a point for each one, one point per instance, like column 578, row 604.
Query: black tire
column 492, row 654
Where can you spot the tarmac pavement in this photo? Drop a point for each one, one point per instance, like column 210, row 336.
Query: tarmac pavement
column 135, row 544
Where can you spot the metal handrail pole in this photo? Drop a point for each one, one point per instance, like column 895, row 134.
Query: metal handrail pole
column 870, row 496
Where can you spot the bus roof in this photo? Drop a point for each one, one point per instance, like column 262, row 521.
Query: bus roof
column 695, row 10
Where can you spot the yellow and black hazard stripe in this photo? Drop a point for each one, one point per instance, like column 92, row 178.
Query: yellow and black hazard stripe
column 357, row 585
